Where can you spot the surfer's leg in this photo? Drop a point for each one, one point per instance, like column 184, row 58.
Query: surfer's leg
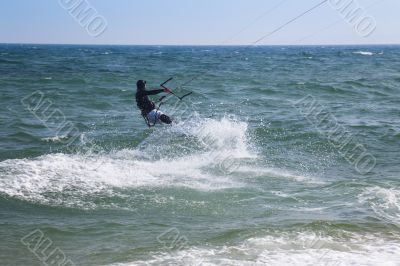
column 165, row 119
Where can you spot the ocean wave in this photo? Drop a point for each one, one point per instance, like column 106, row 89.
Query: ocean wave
column 23, row 137
column 255, row 171
column 76, row 180
column 10, row 61
column 385, row 202
column 304, row 248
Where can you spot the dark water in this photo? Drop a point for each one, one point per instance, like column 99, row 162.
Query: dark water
column 253, row 172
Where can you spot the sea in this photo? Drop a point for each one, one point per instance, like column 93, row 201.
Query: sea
column 282, row 155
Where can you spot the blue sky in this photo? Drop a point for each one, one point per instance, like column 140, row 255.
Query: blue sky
column 185, row 22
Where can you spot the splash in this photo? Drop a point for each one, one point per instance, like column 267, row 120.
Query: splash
column 385, row 202
column 197, row 159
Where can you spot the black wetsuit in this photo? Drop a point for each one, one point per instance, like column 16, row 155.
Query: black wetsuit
column 146, row 106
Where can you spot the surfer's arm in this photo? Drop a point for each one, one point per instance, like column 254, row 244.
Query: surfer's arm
column 154, row 92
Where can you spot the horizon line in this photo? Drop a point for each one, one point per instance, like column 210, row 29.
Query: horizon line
column 216, row 45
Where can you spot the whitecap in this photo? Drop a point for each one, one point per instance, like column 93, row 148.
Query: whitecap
column 385, row 202
column 55, row 138
column 363, row 53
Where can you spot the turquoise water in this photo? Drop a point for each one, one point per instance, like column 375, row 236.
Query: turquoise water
column 247, row 175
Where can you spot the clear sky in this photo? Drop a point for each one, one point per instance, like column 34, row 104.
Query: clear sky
column 185, row 22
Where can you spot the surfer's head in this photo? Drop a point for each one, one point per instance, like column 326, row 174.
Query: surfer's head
column 141, row 85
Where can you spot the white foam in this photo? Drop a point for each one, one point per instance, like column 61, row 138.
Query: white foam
column 363, row 53
column 287, row 249
column 60, row 173
column 55, row 138
column 385, row 202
